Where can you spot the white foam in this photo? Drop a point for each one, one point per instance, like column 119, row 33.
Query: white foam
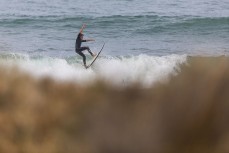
column 118, row 71
column 143, row 68
column 58, row 69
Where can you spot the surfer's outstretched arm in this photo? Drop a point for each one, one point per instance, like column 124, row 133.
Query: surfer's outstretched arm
column 81, row 30
column 89, row 39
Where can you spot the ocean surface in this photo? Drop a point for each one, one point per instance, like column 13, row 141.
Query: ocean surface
column 146, row 40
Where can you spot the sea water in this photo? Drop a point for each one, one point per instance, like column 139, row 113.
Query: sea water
column 145, row 40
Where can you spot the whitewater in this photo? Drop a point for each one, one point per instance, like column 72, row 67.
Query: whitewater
column 118, row 71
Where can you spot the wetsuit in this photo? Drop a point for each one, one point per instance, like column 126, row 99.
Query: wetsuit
column 79, row 49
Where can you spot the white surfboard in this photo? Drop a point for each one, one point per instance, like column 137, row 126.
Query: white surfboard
column 89, row 65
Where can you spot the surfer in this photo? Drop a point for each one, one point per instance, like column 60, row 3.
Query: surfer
column 80, row 49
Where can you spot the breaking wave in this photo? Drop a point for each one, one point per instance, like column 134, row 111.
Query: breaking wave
column 144, row 69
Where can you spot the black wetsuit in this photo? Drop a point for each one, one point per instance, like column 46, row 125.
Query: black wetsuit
column 79, row 49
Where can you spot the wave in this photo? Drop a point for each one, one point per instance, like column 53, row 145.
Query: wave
column 147, row 24
column 41, row 21
column 202, row 23
column 119, row 71
column 186, row 24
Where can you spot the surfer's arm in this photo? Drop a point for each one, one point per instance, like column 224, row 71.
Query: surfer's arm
column 89, row 39
column 81, row 30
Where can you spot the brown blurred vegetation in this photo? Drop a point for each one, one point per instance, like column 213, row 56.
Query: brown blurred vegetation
column 190, row 114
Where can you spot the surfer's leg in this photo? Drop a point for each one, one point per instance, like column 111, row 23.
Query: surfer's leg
column 86, row 48
column 84, row 57
column 89, row 51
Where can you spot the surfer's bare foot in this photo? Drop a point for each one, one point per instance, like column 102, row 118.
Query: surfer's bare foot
column 94, row 54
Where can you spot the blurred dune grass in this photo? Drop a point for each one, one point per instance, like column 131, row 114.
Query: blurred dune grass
column 189, row 114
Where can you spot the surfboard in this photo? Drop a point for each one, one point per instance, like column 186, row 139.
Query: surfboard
column 89, row 65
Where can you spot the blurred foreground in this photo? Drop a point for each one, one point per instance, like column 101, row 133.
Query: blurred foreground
column 189, row 114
